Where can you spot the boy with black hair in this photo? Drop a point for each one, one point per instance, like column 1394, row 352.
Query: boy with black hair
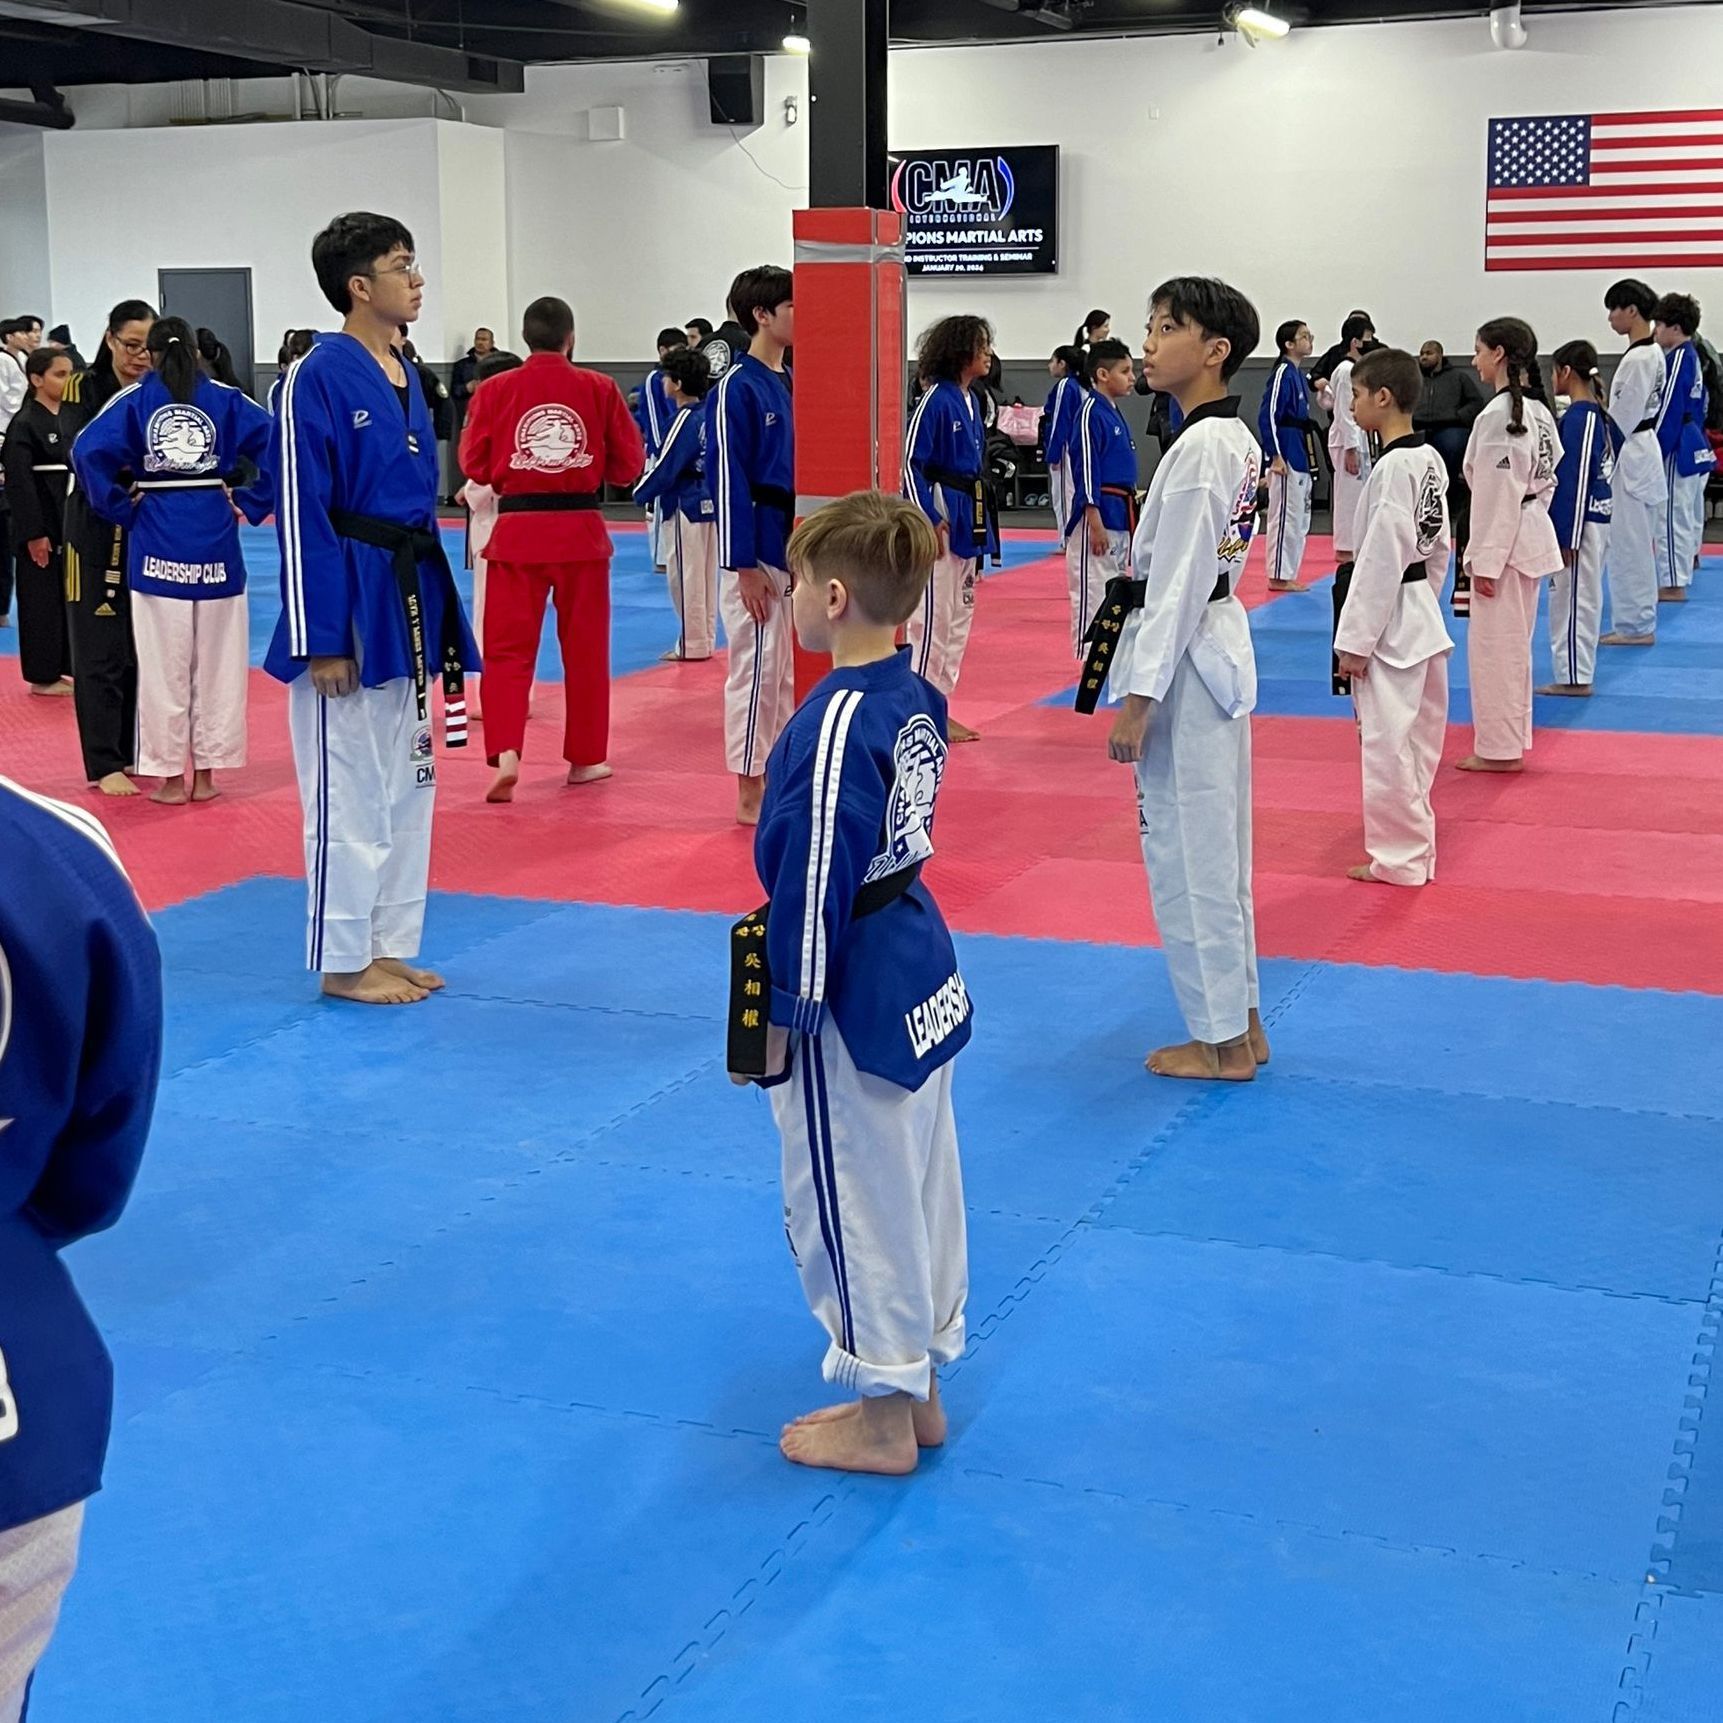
column 1103, row 512
column 1389, row 639
column 653, row 413
column 847, row 1001
column 698, row 331
column 1688, row 459
column 1173, row 644
column 1329, row 363
column 676, row 486
column 547, row 439
column 1348, row 446
column 1639, row 523
column 1282, row 424
column 751, row 475
column 369, row 615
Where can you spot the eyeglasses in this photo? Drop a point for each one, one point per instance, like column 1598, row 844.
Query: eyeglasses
column 410, row 269
column 135, row 348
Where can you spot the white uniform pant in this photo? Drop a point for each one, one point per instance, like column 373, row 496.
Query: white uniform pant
column 1499, row 658
column 1193, row 811
column 693, row 579
column 1634, row 529
column 1683, row 529
column 1087, row 574
column 193, row 668
column 760, row 689
column 1402, row 723
column 1288, row 523
column 1348, row 507
column 938, row 628
column 1059, row 490
column 1576, row 608
column 873, row 1209
column 36, row 1565
column 368, row 785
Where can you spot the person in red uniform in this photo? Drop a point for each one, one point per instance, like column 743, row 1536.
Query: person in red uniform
column 547, row 438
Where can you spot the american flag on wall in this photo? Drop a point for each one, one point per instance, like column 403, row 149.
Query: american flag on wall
column 1606, row 191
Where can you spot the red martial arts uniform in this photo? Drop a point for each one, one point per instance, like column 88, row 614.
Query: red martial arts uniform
column 547, row 438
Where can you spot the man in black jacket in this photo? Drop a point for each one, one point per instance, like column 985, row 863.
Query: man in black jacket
column 1452, row 398
column 463, row 379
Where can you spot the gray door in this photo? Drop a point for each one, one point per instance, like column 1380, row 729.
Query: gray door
column 218, row 299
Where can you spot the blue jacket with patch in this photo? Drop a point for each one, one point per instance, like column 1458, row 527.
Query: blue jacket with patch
column 678, row 477
column 80, row 1053
column 850, row 792
column 1103, row 466
column 1589, row 441
column 1681, row 414
column 943, row 451
column 751, row 465
column 1284, row 416
column 654, row 412
column 1064, row 402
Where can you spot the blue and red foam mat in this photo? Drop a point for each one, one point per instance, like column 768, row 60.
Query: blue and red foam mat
column 452, row 1342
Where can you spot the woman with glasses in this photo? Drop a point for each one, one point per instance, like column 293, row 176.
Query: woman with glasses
column 104, row 664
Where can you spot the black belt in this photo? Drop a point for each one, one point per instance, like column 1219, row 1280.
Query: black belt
column 774, row 497
column 751, row 973
column 1123, row 595
column 971, row 484
column 549, row 503
column 408, row 546
column 1645, row 425
column 1343, row 585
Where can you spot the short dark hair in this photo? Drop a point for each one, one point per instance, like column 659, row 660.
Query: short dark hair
column 672, row 338
column 494, row 364
column 1679, row 311
column 947, row 348
column 1631, row 295
column 1355, row 328
column 1104, row 355
column 764, row 288
column 687, row 368
column 1394, row 370
column 701, row 324
column 546, row 324
column 26, row 320
column 1218, row 310
column 1287, row 333
column 38, row 363
column 348, row 246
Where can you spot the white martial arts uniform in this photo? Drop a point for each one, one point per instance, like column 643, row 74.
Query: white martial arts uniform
column 938, row 628
column 1688, row 463
column 1103, row 478
column 36, row 1565
column 193, row 673
column 1189, row 652
column 1281, row 423
column 481, row 503
column 760, row 679
column 1638, row 521
column 1512, row 479
column 1345, row 433
column 693, row 580
column 1396, row 622
column 943, row 453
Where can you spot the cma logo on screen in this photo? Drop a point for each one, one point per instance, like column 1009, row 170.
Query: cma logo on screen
column 975, row 187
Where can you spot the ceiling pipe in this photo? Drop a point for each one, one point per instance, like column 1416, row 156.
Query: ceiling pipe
column 48, row 110
column 1506, row 30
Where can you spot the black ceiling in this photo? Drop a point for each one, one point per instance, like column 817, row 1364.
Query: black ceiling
column 469, row 44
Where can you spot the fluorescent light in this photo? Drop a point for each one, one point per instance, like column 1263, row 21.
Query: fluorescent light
column 655, row 5
column 1252, row 21
column 794, row 44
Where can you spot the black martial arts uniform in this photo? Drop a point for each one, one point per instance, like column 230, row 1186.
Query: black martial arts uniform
column 34, row 457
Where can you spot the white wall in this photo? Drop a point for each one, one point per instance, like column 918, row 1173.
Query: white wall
column 471, row 277
column 25, row 279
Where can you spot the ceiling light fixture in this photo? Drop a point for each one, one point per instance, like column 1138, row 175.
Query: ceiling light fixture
column 656, row 5
column 796, row 42
column 1255, row 24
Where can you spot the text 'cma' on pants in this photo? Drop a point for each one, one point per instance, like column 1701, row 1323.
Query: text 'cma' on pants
column 1576, row 608
column 1194, row 817
column 1402, row 724
column 1499, row 663
column 368, row 786
column 515, row 597
column 760, row 684
column 938, row 628
column 873, row 1209
column 194, row 668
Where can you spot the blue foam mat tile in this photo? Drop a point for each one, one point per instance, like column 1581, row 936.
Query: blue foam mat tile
column 669, row 1296
column 208, row 1016
column 1691, row 1535
column 1683, row 1681
column 1449, row 1411
column 1531, row 1040
column 368, row 1552
column 1047, row 1603
column 465, row 1075
column 1579, row 1196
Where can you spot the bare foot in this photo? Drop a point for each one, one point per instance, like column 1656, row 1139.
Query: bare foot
column 1477, row 763
column 1362, row 872
column 508, row 775
column 172, row 793
column 1287, row 586
column 203, row 787
column 956, row 732
column 670, row 657
column 588, row 774
column 1568, row 690
column 373, row 985
column 1672, row 595
column 116, row 784
column 879, row 1436
column 927, row 1417
column 1230, row 1062
column 428, row 979
column 750, row 792
column 1258, row 1037
column 1615, row 638
column 51, row 690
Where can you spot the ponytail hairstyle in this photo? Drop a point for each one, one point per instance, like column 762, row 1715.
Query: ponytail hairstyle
column 1519, row 345
column 1093, row 321
column 127, row 311
column 1580, row 357
column 297, row 344
column 1076, row 363
column 217, row 360
column 173, row 346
